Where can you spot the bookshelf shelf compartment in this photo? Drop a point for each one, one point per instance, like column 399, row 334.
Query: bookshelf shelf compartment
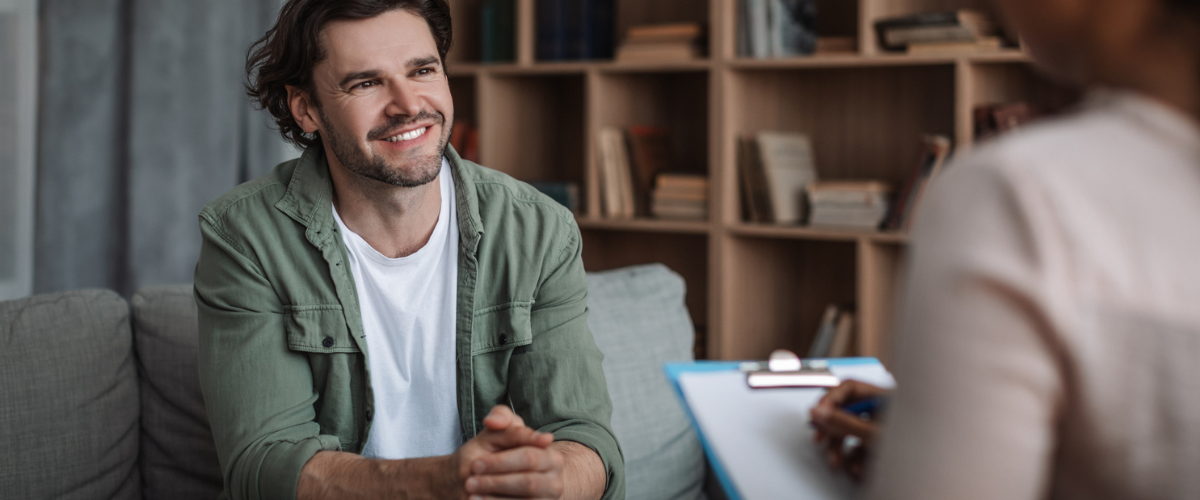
column 532, row 128
column 775, row 292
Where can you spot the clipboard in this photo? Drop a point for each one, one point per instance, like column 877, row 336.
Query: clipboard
column 788, row 448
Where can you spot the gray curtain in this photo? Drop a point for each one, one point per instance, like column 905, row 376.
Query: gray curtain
column 142, row 120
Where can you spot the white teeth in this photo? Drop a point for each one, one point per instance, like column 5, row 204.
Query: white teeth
column 408, row 136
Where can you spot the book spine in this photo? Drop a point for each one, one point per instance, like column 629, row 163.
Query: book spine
column 551, row 33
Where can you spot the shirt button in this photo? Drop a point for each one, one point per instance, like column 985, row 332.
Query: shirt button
column 328, row 342
column 503, row 339
column 369, row 414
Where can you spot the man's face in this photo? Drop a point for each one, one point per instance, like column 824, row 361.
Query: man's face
column 382, row 99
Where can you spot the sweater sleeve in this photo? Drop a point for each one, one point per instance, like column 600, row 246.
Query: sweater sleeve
column 979, row 384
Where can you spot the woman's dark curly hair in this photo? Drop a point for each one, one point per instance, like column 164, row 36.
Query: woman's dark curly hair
column 288, row 52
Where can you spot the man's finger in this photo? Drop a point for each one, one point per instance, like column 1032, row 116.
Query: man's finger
column 524, row 459
column 502, row 417
column 519, row 485
column 514, row 437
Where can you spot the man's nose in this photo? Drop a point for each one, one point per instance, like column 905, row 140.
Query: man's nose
column 405, row 100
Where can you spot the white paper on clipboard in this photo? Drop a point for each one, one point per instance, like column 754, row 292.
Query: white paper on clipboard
column 762, row 436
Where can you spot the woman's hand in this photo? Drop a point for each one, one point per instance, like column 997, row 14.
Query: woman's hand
column 834, row 425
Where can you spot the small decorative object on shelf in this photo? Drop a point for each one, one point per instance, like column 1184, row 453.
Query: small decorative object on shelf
column 680, row 196
column 777, row 28
column 662, row 43
column 963, row 30
column 995, row 119
column 848, row 204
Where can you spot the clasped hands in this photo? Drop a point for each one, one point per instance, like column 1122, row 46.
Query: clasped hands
column 509, row 460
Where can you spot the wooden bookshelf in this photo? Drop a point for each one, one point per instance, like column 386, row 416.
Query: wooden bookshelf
column 751, row 287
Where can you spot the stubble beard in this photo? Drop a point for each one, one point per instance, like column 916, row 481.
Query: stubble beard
column 421, row 169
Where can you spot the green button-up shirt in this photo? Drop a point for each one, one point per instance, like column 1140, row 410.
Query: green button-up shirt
column 283, row 358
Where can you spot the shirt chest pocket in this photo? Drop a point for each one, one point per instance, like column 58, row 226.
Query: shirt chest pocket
column 501, row 327
column 318, row 328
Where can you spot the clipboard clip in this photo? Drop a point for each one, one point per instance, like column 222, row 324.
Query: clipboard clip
column 785, row 369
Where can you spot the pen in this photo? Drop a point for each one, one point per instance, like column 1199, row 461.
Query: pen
column 868, row 406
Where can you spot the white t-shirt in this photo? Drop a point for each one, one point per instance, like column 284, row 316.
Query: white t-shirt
column 408, row 308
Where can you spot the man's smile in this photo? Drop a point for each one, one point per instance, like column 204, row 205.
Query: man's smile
column 409, row 134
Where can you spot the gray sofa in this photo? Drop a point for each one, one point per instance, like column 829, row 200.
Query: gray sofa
column 101, row 398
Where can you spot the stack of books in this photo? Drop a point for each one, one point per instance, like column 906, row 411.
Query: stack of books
column 662, row 42
column 680, row 196
column 963, row 30
column 848, row 204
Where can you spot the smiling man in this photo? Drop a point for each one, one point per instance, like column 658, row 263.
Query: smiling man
column 381, row 318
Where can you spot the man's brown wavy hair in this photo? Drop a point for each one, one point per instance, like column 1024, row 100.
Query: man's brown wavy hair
column 290, row 50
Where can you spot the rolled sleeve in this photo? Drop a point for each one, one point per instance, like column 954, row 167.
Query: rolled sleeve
column 259, row 395
column 562, row 389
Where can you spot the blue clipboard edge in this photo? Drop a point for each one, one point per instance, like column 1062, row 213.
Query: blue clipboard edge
column 674, row 370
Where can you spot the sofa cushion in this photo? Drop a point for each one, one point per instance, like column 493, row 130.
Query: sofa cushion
column 179, row 459
column 639, row 321
column 69, row 417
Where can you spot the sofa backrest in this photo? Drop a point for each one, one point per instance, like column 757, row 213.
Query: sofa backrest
column 639, row 320
column 69, row 398
column 179, row 459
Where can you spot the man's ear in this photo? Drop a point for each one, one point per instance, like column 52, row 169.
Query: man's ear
column 303, row 109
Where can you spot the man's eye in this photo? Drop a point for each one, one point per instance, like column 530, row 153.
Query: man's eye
column 363, row 85
column 424, row 72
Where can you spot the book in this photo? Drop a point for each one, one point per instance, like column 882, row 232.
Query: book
column 650, row 152
column 826, row 330
column 574, row 29
column 552, row 30
column 963, row 25
column 662, row 42
column 658, row 52
column 498, row 23
column 616, row 186
column 590, row 29
column 935, row 149
column 853, row 193
column 680, row 196
column 760, row 28
column 843, row 340
column 847, row 217
column 788, row 167
column 672, row 32
column 754, row 181
column 985, row 44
